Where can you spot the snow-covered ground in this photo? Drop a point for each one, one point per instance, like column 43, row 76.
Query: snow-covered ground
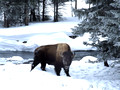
column 86, row 74
column 37, row 34
column 11, row 39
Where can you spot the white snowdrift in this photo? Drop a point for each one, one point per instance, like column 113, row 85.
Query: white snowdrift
column 84, row 76
column 88, row 59
column 35, row 35
column 16, row 58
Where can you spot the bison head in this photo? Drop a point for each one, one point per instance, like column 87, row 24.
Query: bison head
column 67, row 59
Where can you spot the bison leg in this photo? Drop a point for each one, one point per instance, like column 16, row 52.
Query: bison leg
column 43, row 65
column 35, row 62
column 57, row 70
column 67, row 71
column 106, row 63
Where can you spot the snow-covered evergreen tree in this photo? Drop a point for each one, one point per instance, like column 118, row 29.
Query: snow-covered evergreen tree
column 102, row 21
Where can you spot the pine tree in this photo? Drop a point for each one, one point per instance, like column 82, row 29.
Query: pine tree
column 103, row 20
column 34, row 6
column 13, row 11
column 57, row 6
column 21, row 12
column 18, row 12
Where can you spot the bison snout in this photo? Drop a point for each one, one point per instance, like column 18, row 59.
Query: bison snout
column 66, row 67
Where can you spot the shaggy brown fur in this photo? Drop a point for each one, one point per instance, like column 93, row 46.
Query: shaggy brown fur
column 61, row 48
column 59, row 55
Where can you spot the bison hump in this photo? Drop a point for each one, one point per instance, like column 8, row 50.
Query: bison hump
column 61, row 48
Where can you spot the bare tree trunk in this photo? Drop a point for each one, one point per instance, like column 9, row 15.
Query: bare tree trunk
column 32, row 15
column 75, row 4
column 6, row 18
column 89, row 4
column 71, row 9
column 26, row 21
column 43, row 13
column 55, row 10
column 6, row 21
column 38, row 10
column 97, row 3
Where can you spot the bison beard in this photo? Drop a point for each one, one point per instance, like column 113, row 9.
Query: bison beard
column 59, row 55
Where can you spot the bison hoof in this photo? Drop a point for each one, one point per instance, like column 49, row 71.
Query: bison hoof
column 68, row 75
column 58, row 74
column 43, row 69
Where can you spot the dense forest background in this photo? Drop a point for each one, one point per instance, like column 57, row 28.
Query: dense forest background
column 21, row 12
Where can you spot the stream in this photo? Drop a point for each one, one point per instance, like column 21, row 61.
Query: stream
column 28, row 56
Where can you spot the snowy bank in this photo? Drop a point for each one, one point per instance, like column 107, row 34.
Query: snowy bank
column 34, row 35
column 43, row 33
column 84, row 76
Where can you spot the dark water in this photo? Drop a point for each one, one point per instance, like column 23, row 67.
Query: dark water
column 80, row 54
column 28, row 56
column 8, row 54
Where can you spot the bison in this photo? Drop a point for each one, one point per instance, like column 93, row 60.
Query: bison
column 59, row 55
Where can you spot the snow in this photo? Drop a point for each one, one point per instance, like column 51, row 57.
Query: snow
column 86, row 74
column 87, row 59
column 18, row 58
column 38, row 34
column 43, row 33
